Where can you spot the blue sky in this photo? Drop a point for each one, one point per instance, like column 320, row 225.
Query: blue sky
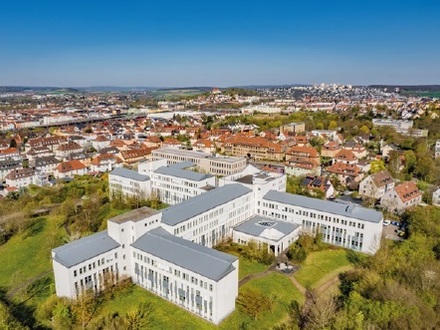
column 218, row 43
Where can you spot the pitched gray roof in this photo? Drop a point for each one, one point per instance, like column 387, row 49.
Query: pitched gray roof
column 254, row 226
column 129, row 174
column 348, row 210
column 179, row 173
column 202, row 203
column 207, row 262
column 84, row 249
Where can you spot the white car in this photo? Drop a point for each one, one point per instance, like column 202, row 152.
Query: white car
column 386, row 222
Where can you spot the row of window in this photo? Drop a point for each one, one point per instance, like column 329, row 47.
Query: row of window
column 313, row 215
column 178, row 273
column 92, row 265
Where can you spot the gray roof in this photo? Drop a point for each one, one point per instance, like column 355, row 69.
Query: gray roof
column 194, row 206
column 42, row 161
column 348, row 210
column 207, row 262
column 184, row 174
column 129, row 174
column 183, row 165
column 84, row 249
column 254, row 226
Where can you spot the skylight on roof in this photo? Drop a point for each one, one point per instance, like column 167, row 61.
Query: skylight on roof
column 268, row 224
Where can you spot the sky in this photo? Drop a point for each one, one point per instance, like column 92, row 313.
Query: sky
column 218, row 43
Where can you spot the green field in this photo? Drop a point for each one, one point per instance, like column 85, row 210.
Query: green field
column 320, row 264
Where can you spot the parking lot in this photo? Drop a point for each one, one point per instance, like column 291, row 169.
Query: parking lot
column 390, row 232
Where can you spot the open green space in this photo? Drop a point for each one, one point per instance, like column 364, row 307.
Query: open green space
column 246, row 267
column 274, row 284
column 319, row 264
column 166, row 314
column 27, row 255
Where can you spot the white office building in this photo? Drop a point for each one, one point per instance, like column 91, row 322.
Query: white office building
column 174, row 185
column 127, row 183
column 169, row 252
column 347, row 225
column 204, row 162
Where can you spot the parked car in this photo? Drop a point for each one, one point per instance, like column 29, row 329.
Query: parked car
column 386, row 222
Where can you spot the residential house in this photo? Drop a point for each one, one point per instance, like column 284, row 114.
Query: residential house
column 66, row 149
column 10, row 153
column 319, row 183
column 330, row 149
column 376, row 185
column 69, row 169
column 45, row 165
column 100, row 142
column 401, row 197
column 8, row 165
column 20, row 178
column 105, row 163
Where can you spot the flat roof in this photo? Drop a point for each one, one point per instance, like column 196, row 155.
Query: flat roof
column 184, row 174
column 135, row 215
column 129, row 174
column 195, row 154
column 84, row 249
column 347, row 210
column 196, row 205
column 199, row 259
column 264, row 227
column 183, row 165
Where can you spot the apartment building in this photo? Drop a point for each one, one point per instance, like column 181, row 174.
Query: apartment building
column 257, row 148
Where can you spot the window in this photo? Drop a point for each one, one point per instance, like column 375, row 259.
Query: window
column 74, row 273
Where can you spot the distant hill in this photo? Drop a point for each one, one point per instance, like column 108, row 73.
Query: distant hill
column 413, row 88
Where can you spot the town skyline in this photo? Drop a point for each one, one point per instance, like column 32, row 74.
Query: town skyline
column 207, row 44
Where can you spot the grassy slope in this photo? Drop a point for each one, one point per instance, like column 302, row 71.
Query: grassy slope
column 272, row 284
column 319, row 264
column 27, row 255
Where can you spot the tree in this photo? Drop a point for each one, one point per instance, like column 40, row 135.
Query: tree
column 410, row 161
column 333, row 124
column 376, row 166
column 318, row 312
column 297, row 253
column 253, row 302
column 7, row 320
column 140, row 317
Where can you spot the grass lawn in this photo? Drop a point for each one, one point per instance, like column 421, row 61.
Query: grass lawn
column 166, row 314
column 170, row 316
column 272, row 284
column 319, row 264
column 247, row 267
